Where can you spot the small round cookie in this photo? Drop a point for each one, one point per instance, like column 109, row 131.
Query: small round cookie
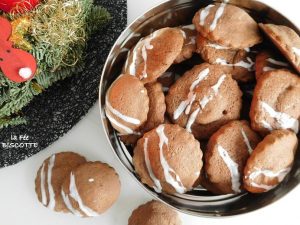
column 227, row 25
column 211, row 52
column 154, row 213
column 287, row 41
column 157, row 106
column 276, row 102
column 91, row 189
column 50, row 177
column 226, row 155
column 154, row 54
column 242, row 68
column 127, row 104
column 270, row 161
column 168, row 158
column 267, row 60
column 204, row 99
column 189, row 46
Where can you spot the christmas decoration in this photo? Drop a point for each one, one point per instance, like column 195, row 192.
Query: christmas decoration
column 17, row 6
column 55, row 33
column 17, row 65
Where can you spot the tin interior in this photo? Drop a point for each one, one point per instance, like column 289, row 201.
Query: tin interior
column 198, row 202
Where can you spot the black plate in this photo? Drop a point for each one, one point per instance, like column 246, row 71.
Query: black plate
column 53, row 113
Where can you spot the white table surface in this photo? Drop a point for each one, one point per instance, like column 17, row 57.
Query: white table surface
column 19, row 205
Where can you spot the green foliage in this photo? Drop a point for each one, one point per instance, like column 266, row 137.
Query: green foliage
column 58, row 35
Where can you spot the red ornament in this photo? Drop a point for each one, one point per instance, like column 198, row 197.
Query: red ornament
column 16, row 64
column 17, row 6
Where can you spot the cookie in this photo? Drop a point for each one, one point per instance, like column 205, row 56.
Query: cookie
column 127, row 104
column 168, row 159
column 154, row 213
column 211, row 52
column 276, row 103
column 154, row 54
column 204, row 99
column 157, row 106
column 267, row 60
column 91, row 189
column 270, row 161
column 242, row 68
column 227, row 25
column 226, row 155
column 50, row 177
column 189, row 46
column 287, row 41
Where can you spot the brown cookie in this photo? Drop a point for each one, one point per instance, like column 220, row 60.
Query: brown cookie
column 50, row 177
column 271, row 161
column 266, row 61
column 157, row 106
column 204, row 99
column 242, row 68
column 276, row 102
column 189, row 46
column 154, row 213
column 226, row 155
column 287, row 41
column 211, row 52
column 227, row 25
column 127, row 104
column 168, row 158
column 91, row 189
column 154, row 54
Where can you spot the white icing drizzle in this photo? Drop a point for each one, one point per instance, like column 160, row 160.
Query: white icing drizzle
column 204, row 101
column 192, row 119
column 43, row 191
column 283, row 120
column 296, row 51
column 75, row 195
column 51, row 163
column 132, row 65
column 183, row 33
column 247, row 49
column 146, row 46
column 216, row 46
column 191, row 96
column 190, row 27
column 280, row 175
column 157, row 186
column 218, row 15
column 68, row 204
column 277, row 62
column 268, row 68
column 168, row 171
column 248, row 65
column 204, row 13
column 116, row 123
column 123, row 117
column 246, row 140
column 233, row 169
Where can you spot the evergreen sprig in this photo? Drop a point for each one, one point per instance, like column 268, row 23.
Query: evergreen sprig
column 58, row 34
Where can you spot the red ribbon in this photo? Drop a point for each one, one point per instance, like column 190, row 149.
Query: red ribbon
column 16, row 64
